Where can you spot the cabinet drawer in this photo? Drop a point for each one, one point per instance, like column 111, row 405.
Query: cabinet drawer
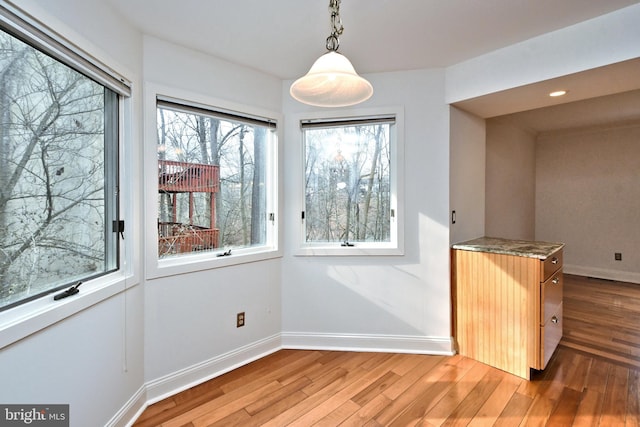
column 550, row 265
column 550, row 335
column 550, row 296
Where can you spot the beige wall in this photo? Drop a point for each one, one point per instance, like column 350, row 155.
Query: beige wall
column 580, row 187
column 510, row 181
column 588, row 196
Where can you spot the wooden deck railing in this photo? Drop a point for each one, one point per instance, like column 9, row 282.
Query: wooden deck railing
column 175, row 238
column 187, row 177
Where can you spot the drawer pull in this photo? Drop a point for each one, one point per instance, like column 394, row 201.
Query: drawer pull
column 554, row 319
column 554, row 260
column 555, row 280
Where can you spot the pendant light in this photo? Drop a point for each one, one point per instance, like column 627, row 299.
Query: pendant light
column 332, row 81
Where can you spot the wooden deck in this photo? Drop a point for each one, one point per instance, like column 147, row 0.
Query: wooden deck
column 188, row 178
column 185, row 177
column 592, row 380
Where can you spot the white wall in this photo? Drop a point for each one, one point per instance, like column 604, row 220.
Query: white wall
column 190, row 70
column 588, row 196
column 190, row 332
column 467, row 175
column 396, row 303
column 190, row 323
column 93, row 359
column 510, row 181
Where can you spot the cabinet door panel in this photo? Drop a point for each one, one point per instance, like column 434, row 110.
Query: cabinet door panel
column 550, row 335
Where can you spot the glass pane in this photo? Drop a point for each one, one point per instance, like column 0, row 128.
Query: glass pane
column 211, row 174
column 53, row 174
column 347, row 194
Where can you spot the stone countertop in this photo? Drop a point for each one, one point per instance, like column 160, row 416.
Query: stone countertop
column 525, row 248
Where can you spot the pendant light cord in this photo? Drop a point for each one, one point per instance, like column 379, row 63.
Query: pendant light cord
column 333, row 41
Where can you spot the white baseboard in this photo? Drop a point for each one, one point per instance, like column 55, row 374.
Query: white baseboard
column 183, row 379
column 131, row 410
column 602, row 273
column 379, row 343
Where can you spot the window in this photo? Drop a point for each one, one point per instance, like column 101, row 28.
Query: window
column 350, row 186
column 215, row 187
column 58, row 166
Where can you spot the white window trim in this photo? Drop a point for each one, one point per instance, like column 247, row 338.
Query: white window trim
column 23, row 320
column 393, row 248
column 19, row 322
column 156, row 267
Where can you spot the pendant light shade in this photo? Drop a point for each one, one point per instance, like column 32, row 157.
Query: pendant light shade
column 331, row 82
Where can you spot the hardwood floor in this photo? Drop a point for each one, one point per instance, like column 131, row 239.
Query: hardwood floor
column 592, row 380
column 603, row 317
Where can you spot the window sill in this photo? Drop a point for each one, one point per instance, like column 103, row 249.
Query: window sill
column 26, row 319
column 207, row 261
column 348, row 251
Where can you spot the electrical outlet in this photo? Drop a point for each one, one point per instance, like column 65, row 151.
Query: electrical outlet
column 240, row 320
column 617, row 256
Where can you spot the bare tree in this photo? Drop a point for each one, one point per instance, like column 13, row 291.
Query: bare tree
column 258, row 188
column 51, row 171
column 347, row 183
column 373, row 168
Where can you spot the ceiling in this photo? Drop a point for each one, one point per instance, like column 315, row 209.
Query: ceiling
column 603, row 96
column 611, row 110
column 283, row 38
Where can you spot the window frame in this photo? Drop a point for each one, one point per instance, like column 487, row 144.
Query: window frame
column 162, row 267
column 22, row 320
column 395, row 247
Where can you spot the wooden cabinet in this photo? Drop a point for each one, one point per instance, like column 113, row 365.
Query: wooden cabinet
column 508, row 307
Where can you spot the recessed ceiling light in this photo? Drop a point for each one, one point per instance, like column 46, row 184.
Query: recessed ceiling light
column 558, row 93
